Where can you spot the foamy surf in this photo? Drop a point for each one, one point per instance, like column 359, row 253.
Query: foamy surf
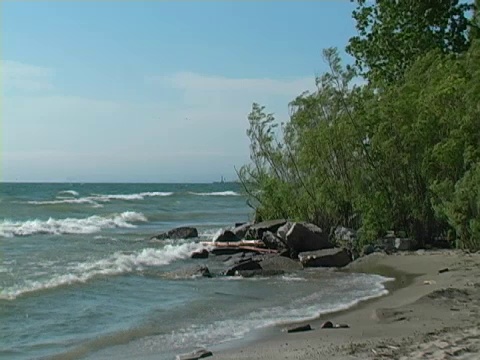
column 95, row 199
column 216, row 193
column 53, row 226
column 116, row 264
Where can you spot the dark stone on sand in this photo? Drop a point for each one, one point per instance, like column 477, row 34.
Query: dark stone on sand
column 202, row 254
column 299, row 328
column 246, row 265
column 184, row 232
column 272, row 241
column 327, row 325
column 304, row 237
column 325, row 258
column 256, row 231
column 443, row 270
column 194, row 355
column 227, row 236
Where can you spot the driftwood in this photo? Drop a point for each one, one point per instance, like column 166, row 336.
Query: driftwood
column 254, row 243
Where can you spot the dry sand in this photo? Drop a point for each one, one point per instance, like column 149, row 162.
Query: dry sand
column 427, row 315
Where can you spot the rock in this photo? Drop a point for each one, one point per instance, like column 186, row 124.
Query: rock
column 246, row 265
column 367, row 250
column 345, row 237
column 327, row 325
column 226, row 236
column 256, row 230
column 272, row 241
column 300, row 328
column 202, row 254
column 325, row 258
column 283, row 230
column 441, row 271
column 405, row 244
column 304, row 237
column 263, row 273
column 184, row 232
column 241, row 229
column 194, row 355
column 280, row 263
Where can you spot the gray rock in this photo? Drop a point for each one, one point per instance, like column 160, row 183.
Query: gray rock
column 195, row 355
column 299, row 328
column 344, row 235
column 241, row 229
column 283, row 230
column 226, row 236
column 202, row 254
column 304, row 237
column 367, row 250
column 263, row 273
column 184, row 232
column 280, row 263
column 405, row 244
column 246, row 265
column 256, row 230
column 325, row 258
column 272, row 241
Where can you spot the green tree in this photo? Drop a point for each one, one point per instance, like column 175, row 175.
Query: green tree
column 392, row 34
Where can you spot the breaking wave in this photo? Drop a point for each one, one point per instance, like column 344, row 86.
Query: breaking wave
column 97, row 198
column 68, row 192
column 216, row 193
column 88, row 225
column 118, row 263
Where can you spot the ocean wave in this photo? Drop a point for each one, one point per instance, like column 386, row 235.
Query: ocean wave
column 96, row 198
column 116, row 264
column 216, row 193
column 69, row 192
column 302, row 309
column 88, row 225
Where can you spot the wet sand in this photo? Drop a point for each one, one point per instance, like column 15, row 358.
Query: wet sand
column 428, row 314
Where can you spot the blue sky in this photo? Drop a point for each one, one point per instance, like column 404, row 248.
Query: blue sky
column 155, row 91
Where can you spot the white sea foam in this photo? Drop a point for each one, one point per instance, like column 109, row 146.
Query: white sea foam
column 118, row 263
column 88, row 225
column 139, row 196
column 97, row 198
column 69, row 192
column 216, row 193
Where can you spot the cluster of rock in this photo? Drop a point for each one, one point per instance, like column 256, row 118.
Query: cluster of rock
column 278, row 246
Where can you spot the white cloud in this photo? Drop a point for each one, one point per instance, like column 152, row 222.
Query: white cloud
column 21, row 76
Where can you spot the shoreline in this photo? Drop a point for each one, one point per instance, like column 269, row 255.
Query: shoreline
column 424, row 315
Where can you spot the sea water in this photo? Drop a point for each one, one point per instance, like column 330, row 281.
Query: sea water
column 80, row 277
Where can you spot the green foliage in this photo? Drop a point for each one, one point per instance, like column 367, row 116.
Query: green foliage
column 393, row 34
column 398, row 155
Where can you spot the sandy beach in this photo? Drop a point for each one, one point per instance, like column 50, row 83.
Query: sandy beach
column 431, row 312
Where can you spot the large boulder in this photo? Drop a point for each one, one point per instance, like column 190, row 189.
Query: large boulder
column 283, row 230
column 246, row 265
column 201, row 254
column 272, row 241
column 325, row 258
column 302, row 237
column 345, row 237
column 226, row 236
column 241, row 229
column 184, row 232
column 256, row 230
column 280, row 263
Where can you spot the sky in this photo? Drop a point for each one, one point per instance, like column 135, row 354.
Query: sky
column 154, row 91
